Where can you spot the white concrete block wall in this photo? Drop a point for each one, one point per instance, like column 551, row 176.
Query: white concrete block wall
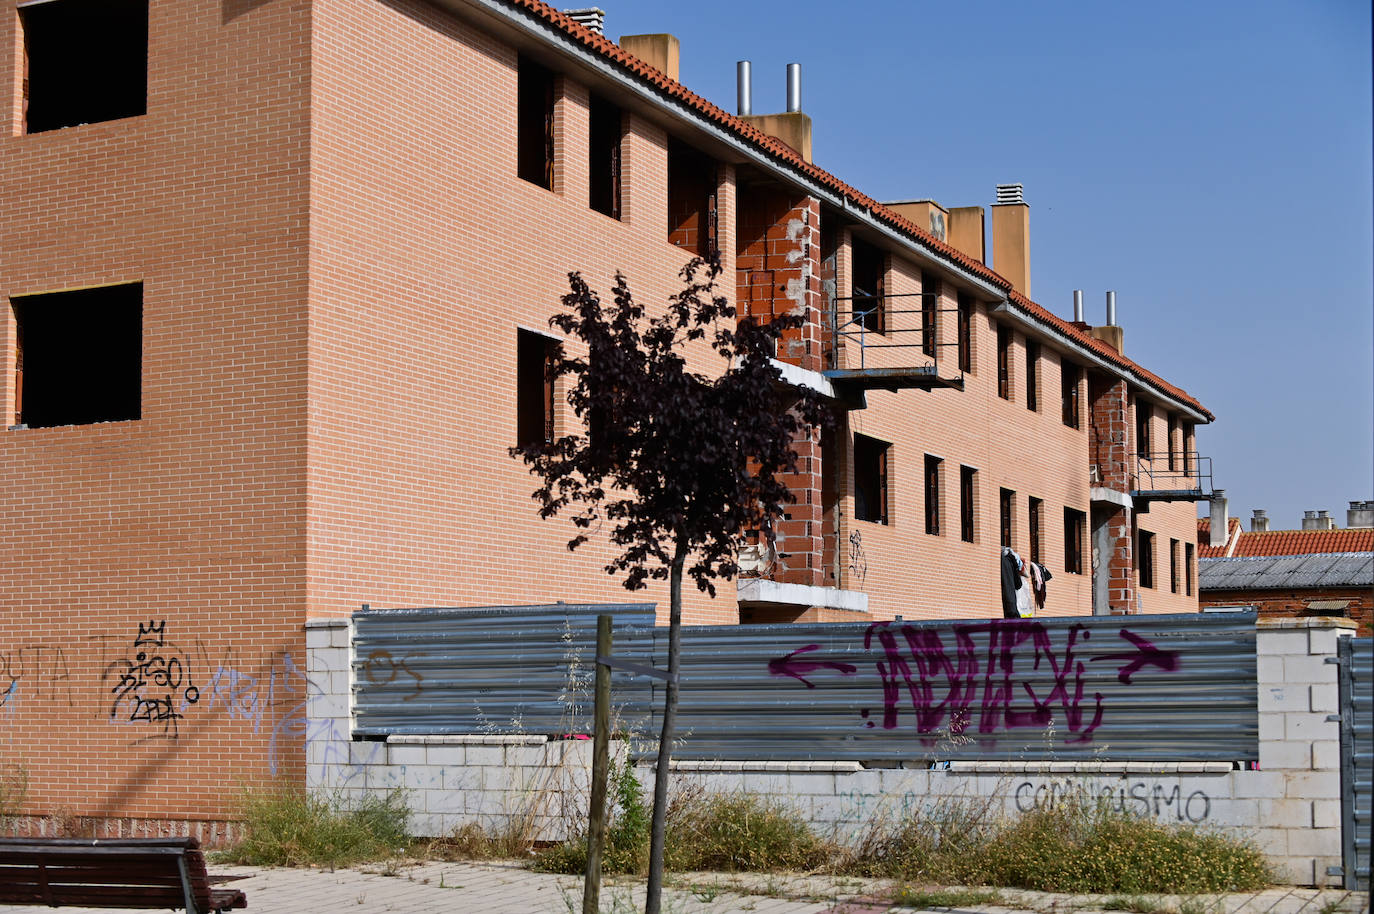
column 1297, row 692
column 1290, row 806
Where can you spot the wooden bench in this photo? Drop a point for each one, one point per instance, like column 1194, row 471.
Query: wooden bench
column 114, row 873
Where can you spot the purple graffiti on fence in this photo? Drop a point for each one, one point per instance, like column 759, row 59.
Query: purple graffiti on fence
column 797, row 669
column 990, row 684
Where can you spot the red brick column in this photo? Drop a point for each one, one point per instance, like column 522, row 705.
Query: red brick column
column 1108, row 441
column 777, row 269
column 1120, row 563
column 801, row 540
column 777, row 272
column 1109, row 450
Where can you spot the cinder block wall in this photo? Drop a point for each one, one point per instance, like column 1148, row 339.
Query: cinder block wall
column 1290, row 807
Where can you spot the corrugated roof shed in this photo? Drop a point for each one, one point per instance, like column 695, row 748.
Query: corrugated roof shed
column 1282, row 572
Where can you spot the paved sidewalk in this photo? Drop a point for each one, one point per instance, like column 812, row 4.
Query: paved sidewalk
column 506, row 888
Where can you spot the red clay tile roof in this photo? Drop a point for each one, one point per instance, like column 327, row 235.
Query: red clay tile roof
column 1104, row 351
column 1204, row 535
column 1285, row 542
column 791, row 158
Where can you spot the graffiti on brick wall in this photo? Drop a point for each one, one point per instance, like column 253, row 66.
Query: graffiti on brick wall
column 153, row 685
column 858, row 564
column 158, row 686
column 36, row 672
column 992, row 677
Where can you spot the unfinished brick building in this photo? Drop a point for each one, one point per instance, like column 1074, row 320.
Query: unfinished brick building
column 278, row 276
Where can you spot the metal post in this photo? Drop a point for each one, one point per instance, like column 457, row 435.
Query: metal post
column 596, row 824
column 793, row 87
column 744, row 88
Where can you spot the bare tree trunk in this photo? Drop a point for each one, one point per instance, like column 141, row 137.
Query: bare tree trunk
column 654, row 893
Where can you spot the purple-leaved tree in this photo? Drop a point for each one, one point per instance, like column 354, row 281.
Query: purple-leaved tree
column 678, row 465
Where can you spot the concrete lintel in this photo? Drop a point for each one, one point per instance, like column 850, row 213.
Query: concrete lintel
column 1320, row 622
column 1102, row 493
column 762, row 590
column 326, row 623
column 804, row 377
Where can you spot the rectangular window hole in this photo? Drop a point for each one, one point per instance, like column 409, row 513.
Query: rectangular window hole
column 870, row 479
column 534, row 388
column 85, row 61
column 79, row 356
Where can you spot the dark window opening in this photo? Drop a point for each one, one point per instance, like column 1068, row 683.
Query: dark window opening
column 930, row 305
column 1069, row 376
column 932, row 486
column 534, row 388
column 868, row 288
column 870, row 479
column 1172, row 432
column 967, row 506
column 79, row 357
column 1189, row 446
column 1188, row 569
column 534, row 127
column 691, row 200
column 1145, row 560
column 604, row 157
column 1004, row 363
column 1032, row 376
column 86, row 60
column 1074, row 522
column 1005, row 498
column 1173, row 566
column 1034, row 519
column 965, row 333
column 1143, row 414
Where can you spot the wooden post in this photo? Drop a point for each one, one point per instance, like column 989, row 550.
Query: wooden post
column 596, row 825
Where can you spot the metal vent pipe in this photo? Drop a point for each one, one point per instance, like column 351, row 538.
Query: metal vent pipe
column 1111, row 309
column 1078, row 305
column 793, row 87
column 744, row 88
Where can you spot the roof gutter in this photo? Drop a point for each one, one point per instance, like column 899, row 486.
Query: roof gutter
column 534, row 27
column 1092, row 358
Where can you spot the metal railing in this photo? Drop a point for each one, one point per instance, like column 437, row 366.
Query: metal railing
column 1172, row 471
column 868, row 324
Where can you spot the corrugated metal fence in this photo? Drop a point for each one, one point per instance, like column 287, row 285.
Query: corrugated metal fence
column 497, row 669
column 1138, row 688
column 1356, row 656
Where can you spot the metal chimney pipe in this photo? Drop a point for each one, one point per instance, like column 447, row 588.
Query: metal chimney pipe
column 1111, row 309
column 744, row 88
column 1078, row 305
column 793, row 87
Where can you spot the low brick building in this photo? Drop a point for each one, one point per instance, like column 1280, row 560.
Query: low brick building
column 279, row 274
column 1320, row 571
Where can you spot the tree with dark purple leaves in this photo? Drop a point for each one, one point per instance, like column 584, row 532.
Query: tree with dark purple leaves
column 677, row 466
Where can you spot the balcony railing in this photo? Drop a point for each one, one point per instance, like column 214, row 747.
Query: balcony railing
column 864, row 329
column 1172, row 476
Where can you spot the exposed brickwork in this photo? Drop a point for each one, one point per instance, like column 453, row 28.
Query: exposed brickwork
column 1295, row 604
column 1108, row 431
column 778, row 270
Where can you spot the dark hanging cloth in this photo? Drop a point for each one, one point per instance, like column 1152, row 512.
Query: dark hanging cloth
column 1011, row 580
column 1039, row 576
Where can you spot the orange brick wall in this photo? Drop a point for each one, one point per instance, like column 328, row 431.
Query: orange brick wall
column 336, row 255
column 189, row 520
column 418, row 286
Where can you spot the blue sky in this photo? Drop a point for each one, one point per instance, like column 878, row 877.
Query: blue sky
column 1211, row 162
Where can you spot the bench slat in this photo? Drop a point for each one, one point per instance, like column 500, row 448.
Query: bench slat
column 118, row 873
